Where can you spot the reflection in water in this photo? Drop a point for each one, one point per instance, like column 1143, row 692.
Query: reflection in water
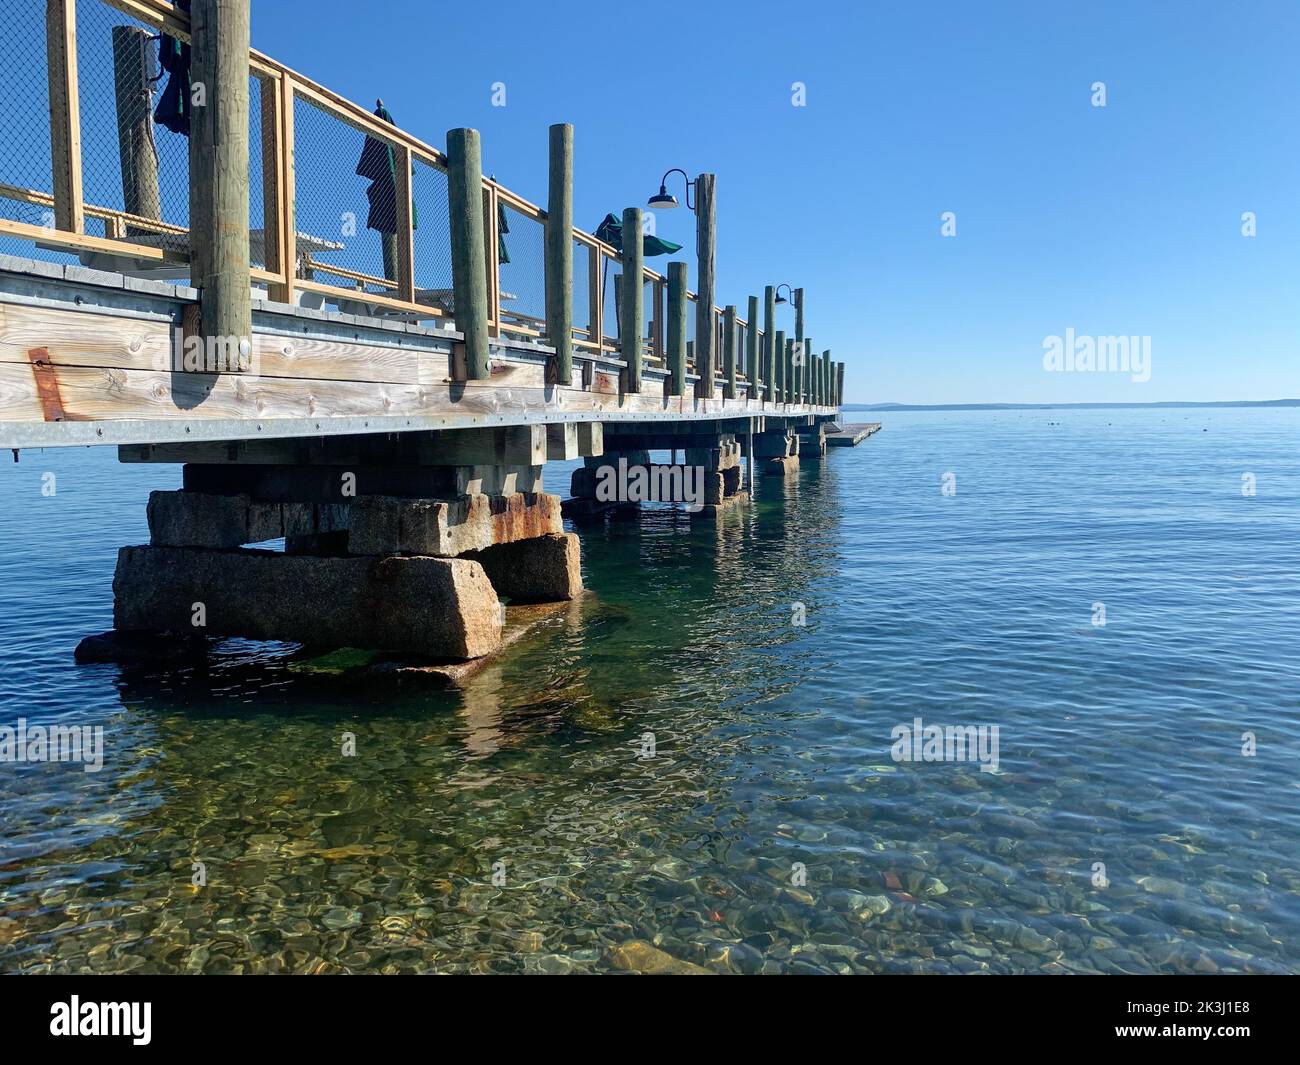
column 1120, row 745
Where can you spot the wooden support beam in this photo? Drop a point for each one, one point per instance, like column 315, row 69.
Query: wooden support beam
column 65, row 115
column 219, row 170
column 133, row 73
column 559, row 254
column 630, row 306
column 705, row 244
column 677, row 301
column 769, row 343
column 468, row 254
column 729, row 351
column 591, row 439
column 562, row 442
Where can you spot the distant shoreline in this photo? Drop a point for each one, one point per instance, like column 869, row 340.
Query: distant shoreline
column 1070, row 406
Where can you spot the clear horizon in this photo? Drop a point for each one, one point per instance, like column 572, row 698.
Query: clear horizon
column 1117, row 220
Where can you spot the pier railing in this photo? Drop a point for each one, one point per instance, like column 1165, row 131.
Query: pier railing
column 87, row 171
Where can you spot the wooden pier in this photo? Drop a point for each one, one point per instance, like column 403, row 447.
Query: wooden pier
column 851, row 435
column 382, row 397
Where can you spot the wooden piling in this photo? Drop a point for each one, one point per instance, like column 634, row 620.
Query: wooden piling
column 705, row 244
column 677, row 301
column 839, row 385
column 791, row 385
column 133, row 70
column 752, row 373
column 65, row 115
column 630, row 306
column 468, row 254
column 778, row 375
column 559, row 255
column 219, row 265
column 805, row 372
column 729, row 351
column 800, row 372
column 769, row 342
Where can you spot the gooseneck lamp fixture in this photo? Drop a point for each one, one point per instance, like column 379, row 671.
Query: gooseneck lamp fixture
column 665, row 200
column 793, row 300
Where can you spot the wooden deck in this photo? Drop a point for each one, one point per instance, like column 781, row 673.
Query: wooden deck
column 852, row 435
column 90, row 358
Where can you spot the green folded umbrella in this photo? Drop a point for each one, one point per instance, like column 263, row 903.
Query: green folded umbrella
column 611, row 232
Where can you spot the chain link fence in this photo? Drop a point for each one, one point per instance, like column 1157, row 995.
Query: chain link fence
column 28, row 186
column 521, row 251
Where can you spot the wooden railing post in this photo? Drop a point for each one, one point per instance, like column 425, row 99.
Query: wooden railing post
column 219, row 265
column 677, row 328
column 705, row 244
column 559, row 254
column 285, row 220
column 65, row 115
column 596, row 299
column 468, row 255
column 405, row 242
column 630, row 306
column 751, row 348
column 769, row 343
column 729, row 351
column 492, row 246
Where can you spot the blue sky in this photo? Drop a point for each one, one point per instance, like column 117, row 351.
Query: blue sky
column 1117, row 220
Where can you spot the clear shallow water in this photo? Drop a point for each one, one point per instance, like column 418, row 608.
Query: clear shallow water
column 1119, row 745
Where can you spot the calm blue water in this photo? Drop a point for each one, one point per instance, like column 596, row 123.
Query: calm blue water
column 772, row 831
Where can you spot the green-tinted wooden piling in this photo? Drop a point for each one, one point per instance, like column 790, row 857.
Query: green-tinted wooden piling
column 219, row 265
column 778, row 373
column 790, row 383
column 769, row 343
column 805, row 372
column 799, row 372
column 676, row 340
column 705, row 244
column 559, row 254
column 729, row 351
column 752, row 373
column 468, row 254
column 633, row 296
column 839, row 385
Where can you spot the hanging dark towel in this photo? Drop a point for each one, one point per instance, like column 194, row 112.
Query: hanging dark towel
column 173, row 110
column 503, row 227
column 379, row 166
